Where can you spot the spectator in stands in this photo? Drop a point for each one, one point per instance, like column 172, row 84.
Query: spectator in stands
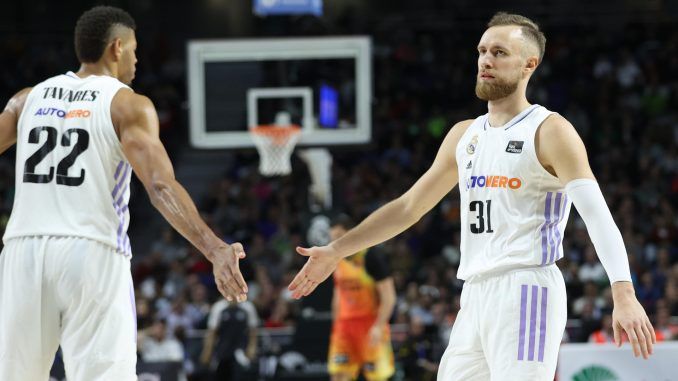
column 156, row 345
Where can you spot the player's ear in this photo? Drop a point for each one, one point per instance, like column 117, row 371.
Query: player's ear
column 116, row 48
column 531, row 64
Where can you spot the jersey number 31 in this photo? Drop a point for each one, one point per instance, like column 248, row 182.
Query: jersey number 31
column 483, row 221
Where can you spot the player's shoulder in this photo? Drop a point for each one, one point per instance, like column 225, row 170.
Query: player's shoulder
column 455, row 133
column 128, row 99
column 463, row 125
column 128, row 105
column 555, row 128
column 16, row 103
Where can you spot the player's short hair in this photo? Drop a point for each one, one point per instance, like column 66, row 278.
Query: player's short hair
column 93, row 30
column 343, row 220
column 530, row 28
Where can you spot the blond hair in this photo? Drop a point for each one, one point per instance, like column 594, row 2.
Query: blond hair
column 529, row 28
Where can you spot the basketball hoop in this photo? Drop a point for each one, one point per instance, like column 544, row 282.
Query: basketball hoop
column 275, row 144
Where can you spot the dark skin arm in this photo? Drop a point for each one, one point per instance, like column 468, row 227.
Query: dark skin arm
column 136, row 122
column 9, row 118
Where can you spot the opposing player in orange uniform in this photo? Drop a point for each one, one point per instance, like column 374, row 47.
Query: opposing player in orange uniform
column 363, row 301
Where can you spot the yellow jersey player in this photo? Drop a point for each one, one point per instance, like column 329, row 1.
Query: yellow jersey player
column 362, row 304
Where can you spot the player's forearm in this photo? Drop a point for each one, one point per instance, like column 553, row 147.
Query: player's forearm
column 606, row 237
column 383, row 224
column 174, row 203
column 385, row 311
column 387, row 301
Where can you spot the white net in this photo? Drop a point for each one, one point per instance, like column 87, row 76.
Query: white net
column 319, row 161
column 275, row 145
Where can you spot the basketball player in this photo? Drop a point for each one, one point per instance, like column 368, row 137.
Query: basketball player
column 362, row 304
column 65, row 268
column 519, row 168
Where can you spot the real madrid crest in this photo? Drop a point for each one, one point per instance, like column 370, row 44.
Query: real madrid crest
column 471, row 147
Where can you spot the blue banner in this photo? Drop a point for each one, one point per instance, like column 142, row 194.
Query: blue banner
column 288, row 7
column 329, row 107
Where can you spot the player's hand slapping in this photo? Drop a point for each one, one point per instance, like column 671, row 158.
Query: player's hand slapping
column 322, row 261
column 628, row 315
column 226, row 267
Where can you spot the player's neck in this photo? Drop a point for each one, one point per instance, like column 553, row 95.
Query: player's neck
column 96, row 68
column 501, row 111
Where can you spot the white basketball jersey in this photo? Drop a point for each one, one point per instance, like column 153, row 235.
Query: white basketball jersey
column 72, row 178
column 513, row 211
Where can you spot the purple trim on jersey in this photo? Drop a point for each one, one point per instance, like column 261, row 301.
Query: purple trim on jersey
column 558, row 235
column 122, row 194
column 121, row 214
column 542, row 324
column 547, row 220
column 117, row 170
column 134, row 307
column 121, row 224
column 521, row 332
column 554, row 227
column 533, row 323
column 120, row 208
column 534, row 107
column 121, row 181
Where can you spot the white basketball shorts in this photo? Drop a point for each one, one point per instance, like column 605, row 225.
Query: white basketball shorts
column 66, row 291
column 509, row 327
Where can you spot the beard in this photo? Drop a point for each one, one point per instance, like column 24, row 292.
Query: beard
column 492, row 91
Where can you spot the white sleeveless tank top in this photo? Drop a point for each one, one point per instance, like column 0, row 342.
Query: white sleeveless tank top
column 72, row 178
column 513, row 211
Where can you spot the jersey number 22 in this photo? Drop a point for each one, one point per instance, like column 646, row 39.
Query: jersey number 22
column 48, row 146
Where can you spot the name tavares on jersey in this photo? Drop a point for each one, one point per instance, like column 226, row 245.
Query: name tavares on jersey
column 70, row 95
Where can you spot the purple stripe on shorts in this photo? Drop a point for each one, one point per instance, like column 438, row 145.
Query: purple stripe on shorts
column 554, row 227
column 533, row 323
column 558, row 235
column 521, row 332
column 542, row 324
column 547, row 219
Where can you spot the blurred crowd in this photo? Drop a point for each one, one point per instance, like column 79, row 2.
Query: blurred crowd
column 618, row 89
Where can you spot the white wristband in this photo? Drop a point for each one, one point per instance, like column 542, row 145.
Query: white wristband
column 605, row 235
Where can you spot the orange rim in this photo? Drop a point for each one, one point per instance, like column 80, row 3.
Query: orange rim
column 279, row 135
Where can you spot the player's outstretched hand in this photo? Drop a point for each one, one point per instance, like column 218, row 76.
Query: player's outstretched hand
column 227, row 274
column 628, row 315
column 321, row 263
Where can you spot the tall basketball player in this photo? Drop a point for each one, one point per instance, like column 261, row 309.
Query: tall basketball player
column 65, row 268
column 519, row 169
